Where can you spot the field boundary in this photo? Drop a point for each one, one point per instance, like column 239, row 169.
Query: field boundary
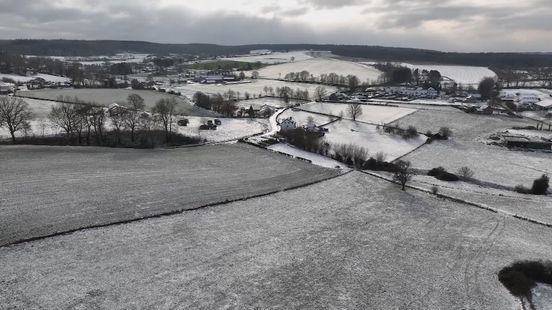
column 466, row 202
column 173, row 212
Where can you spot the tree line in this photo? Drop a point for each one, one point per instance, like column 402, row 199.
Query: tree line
column 84, row 123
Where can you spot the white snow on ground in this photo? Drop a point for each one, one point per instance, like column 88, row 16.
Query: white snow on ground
column 301, row 118
column 542, row 297
column 100, row 60
column 466, row 75
column 46, row 77
column 231, row 128
column 370, row 113
column 319, row 66
column 255, row 87
column 315, row 158
column 367, row 136
column 525, row 91
column 274, row 58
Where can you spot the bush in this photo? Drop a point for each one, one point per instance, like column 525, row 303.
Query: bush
column 375, row 165
column 522, row 276
column 540, row 185
column 441, row 174
column 434, row 190
column 466, row 172
column 445, row 132
column 410, row 132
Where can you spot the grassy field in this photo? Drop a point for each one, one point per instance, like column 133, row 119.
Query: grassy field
column 109, row 96
column 46, row 190
column 467, row 148
column 354, row 242
column 319, row 66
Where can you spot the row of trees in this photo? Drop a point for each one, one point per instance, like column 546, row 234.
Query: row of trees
column 86, row 123
column 351, row 81
column 397, row 74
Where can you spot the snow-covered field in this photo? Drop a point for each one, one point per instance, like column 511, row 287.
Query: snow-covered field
column 465, row 75
column 319, row 66
column 351, row 242
column 46, row 77
column 274, row 58
column 231, row 128
column 367, row 136
column 255, row 87
column 316, row 159
column 39, row 125
column 542, row 297
column 490, row 163
column 370, row 113
column 109, row 96
column 100, row 60
column 47, row 189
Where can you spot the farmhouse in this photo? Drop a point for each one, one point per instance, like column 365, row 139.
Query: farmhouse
column 288, row 124
column 6, row 88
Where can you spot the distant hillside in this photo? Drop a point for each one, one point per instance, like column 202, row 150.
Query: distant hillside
column 377, row 53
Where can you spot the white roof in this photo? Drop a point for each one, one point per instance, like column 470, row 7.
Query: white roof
column 546, row 103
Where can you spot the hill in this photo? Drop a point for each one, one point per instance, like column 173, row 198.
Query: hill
column 376, row 53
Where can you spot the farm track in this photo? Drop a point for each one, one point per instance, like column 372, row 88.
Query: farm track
column 48, row 191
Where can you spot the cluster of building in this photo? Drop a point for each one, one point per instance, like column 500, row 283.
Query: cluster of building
column 527, row 100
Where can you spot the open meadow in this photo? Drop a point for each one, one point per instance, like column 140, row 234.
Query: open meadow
column 319, row 66
column 374, row 114
column 108, row 96
column 48, row 190
column 351, row 242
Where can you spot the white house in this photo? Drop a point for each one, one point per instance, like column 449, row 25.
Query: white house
column 288, row 124
column 6, row 87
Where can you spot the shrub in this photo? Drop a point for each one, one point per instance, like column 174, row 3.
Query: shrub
column 445, row 132
column 375, row 165
column 540, row 185
column 522, row 276
column 441, row 174
column 410, row 132
column 434, row 190
column 466, row 172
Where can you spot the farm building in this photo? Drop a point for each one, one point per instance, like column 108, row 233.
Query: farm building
column 288, row 124
column 6, row 87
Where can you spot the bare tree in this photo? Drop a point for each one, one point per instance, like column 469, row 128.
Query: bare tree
column 403, row 173
column 355, row 110
column 117, row 116
column 14, row 114
column 465, row 172
column 65, row 116
column 320, row 93
column 135, row 107
column 164, row 110
column 353, row 82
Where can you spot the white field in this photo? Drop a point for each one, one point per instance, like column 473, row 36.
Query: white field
column 319, row 66
column 367, row 136
column 316, row 159
column 231, row 128
column 255, row 87
column 301, row 117
column 24, row 79
column 542, row 297
column 274, row 58
column 370, row 113
column 351, row 242
column 465, row 75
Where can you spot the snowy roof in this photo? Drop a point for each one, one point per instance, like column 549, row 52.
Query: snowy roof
column 546, row 103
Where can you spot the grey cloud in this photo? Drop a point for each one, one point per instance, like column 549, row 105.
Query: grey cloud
column 332, row 4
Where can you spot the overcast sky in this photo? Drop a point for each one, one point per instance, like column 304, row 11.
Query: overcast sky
column 460, row 25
